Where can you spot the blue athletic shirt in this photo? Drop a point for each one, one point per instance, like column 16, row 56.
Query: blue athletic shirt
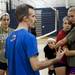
column 21, row 45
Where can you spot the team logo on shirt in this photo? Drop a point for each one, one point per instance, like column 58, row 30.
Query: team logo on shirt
column 13, row 38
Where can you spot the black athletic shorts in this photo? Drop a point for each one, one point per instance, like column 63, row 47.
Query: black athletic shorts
column 3, row 66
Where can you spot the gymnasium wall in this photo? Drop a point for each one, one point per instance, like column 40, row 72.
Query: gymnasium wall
column 47, row 19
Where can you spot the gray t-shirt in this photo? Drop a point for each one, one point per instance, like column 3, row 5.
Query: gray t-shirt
column 71, row 43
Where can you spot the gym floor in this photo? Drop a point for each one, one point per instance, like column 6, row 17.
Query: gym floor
column 41, row 44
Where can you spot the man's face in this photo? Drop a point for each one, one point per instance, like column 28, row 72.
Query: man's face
column 71, row 16
column 32, row 17
column 5, row 21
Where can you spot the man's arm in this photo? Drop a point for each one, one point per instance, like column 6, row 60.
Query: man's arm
column 38, row 65
column 61, row 42
column 69, row 52
column 69, row 38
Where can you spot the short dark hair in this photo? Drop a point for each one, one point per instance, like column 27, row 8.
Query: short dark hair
column 22, row 10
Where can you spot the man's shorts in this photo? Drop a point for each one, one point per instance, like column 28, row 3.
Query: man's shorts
column 3, row 66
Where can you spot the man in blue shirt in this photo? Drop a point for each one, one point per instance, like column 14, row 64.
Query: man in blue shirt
column 21, row 46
